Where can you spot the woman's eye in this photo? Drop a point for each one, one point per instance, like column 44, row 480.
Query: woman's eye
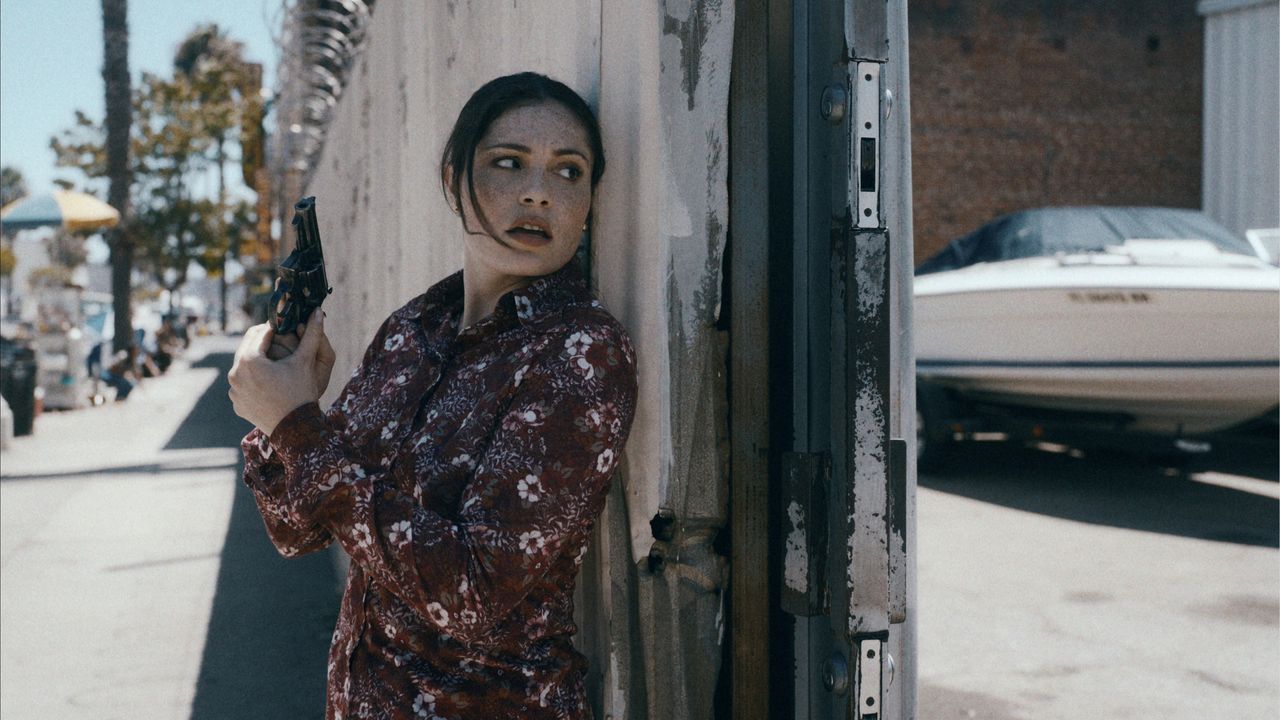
column 570, row 172
column 509, row 163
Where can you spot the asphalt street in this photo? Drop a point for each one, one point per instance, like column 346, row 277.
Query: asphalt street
column 136, row 578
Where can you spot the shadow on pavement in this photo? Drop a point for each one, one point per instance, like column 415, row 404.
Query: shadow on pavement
column 266, row 650
column 1121, row 490
column 212, row 423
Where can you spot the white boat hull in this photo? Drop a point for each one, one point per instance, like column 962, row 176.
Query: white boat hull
column 1177, row 350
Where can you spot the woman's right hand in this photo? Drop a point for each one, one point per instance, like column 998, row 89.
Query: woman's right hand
column 264, row 391
column 282, row 346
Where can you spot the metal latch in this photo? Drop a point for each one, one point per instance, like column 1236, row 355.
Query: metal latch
column 865, row 148
column 871, row 661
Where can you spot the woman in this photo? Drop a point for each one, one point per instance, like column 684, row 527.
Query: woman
column 465, row 462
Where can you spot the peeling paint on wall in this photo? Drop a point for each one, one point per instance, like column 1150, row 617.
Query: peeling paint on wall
column 691, row 25
column 796, row 564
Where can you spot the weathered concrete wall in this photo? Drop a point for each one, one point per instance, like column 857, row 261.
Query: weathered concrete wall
column 658, row 74
column 659, row 245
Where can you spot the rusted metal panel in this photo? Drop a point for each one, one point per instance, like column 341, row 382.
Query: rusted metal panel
column 866, row 310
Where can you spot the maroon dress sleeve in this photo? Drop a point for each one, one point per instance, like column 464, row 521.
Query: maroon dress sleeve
column 264, row 474
column 534, row 495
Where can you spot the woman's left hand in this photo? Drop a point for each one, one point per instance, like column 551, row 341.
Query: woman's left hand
column 265, row 391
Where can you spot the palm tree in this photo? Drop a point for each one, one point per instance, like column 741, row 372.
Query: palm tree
column 115, row 74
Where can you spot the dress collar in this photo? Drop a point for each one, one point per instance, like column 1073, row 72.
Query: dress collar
column 532, row 306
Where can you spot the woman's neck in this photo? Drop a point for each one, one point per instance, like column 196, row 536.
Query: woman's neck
column 481, row 290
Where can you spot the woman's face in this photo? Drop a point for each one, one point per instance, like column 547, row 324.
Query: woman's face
column 533, row 183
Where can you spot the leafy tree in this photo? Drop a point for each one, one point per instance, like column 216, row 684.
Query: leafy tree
column 12, row 185
column 179, row 131
column 215, row 66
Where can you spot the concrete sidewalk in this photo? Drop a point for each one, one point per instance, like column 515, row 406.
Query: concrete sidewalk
column 136, row 580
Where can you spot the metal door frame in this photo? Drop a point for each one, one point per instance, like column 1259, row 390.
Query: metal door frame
column 798, row 265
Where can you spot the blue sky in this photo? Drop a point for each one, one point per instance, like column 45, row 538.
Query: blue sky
column 51, row 64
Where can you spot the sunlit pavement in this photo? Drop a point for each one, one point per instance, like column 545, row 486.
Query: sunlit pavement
column 1059, row 587
column 135, row 578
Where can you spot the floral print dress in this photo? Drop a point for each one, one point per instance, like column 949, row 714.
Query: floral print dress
column 462, row 472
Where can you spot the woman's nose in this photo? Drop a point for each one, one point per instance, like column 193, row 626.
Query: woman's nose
column 535, row 195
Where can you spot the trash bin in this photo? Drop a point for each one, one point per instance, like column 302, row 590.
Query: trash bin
column 18, row 383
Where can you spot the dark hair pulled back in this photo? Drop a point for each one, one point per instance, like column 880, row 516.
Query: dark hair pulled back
column 486, row 105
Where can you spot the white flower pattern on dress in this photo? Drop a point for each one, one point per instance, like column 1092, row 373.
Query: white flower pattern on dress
column 530, row 488
column 400, row 534
column 363, row 537
column 578, row 343
column 438, row 614
column 424, row 706
column 344, row 474
column 605, row 461
column 532, row 541
column 584, row 366
column 389, row 429
column 524, row 308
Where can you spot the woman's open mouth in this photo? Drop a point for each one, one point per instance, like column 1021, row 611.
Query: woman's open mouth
column 530, row 233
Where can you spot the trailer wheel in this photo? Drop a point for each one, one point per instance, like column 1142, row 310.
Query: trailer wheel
column 935, row 443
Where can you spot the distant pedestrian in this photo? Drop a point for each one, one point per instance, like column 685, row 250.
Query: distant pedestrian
column 464, row 464
column 118, row 373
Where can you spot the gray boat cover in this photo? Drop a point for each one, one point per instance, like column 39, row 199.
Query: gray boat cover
column 1053, row 230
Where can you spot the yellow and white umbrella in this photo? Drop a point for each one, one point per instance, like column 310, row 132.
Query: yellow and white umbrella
column 61, row 208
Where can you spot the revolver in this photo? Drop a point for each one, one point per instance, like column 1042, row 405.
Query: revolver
column 301, row 284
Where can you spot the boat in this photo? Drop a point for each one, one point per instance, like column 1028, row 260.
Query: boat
column 1126, row 319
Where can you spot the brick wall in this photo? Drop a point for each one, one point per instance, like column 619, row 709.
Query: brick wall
column 1020, row 104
